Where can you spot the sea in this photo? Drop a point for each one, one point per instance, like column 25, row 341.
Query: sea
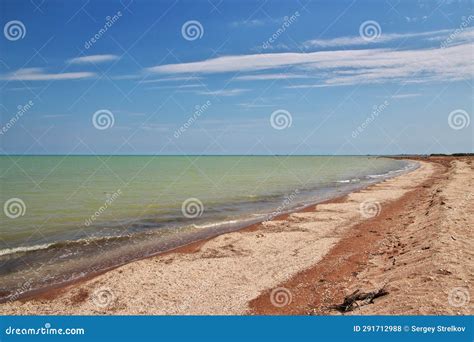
column 68, row 217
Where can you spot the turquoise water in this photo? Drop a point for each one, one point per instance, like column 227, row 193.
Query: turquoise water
column 132, row 206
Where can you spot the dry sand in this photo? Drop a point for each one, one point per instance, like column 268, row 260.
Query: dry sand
column 237, row 273
column 420, row 249
column 429, row 265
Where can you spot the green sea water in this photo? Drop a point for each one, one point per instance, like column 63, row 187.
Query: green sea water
column 74, row 205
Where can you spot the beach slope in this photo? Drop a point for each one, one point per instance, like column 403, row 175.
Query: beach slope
column 411, row 234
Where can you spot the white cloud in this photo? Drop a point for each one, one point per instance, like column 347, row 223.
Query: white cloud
column 263, row 77
column 182, row 86
column 416, row 19
column 455, row 37
column 345, row 67
column 38, row 74
column 237, row 63
column 384, row 38
column 93, row 59
column 126, row 77
column 173, row 79
column 405, row 96
column 273, row 47
column 224, row 92
column 342, row 41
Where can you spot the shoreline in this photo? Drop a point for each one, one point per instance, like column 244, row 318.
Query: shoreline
column 237, row 272
column 360, row 238
column 394, row 252
column 80, row 292
column 200, row 238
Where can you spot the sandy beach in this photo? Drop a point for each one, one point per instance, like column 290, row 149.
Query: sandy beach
column 410, row 235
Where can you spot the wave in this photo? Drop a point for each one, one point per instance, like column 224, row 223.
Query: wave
column 351, row 180
column 14, row 250
column 217, row 224
column 409, row 167
column 59, row 244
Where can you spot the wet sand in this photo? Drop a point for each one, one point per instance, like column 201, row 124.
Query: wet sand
column 303, row 262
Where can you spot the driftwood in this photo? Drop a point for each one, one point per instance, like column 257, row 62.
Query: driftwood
column 351, row 301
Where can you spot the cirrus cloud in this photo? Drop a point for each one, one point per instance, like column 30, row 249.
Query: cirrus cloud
column 95, row 59
column 344, row 67
column 38, row 74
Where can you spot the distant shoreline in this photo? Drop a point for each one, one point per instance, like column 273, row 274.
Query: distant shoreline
column 461, row 154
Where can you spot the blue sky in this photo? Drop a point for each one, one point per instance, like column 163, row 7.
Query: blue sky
column 352, row 77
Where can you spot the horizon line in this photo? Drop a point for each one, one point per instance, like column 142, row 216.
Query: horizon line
column 231, row 155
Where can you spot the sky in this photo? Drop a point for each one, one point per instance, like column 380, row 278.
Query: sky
column 236, row 77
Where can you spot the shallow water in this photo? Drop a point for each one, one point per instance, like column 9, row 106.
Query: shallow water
column 84, row 214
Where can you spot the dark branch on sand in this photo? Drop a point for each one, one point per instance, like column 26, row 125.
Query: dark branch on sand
column 364, row 298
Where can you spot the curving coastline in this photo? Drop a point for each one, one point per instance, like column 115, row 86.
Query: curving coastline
column 66, row 262
column 222, row 275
